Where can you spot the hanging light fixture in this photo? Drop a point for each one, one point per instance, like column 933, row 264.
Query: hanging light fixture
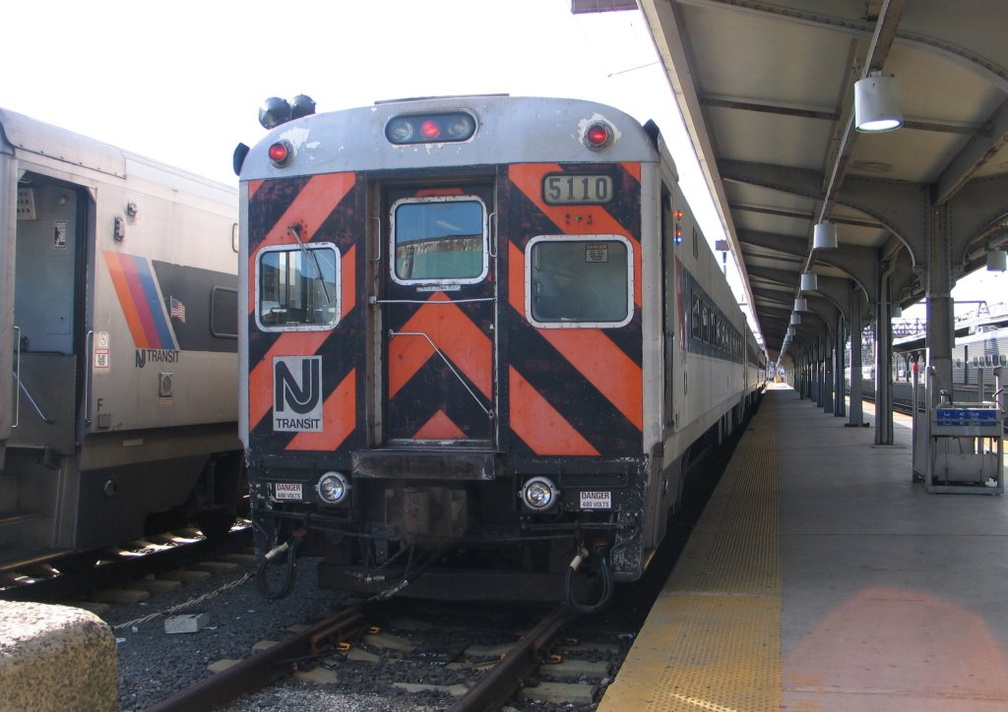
column 877, row 103
column 795, row 319
column 800, row 304
column 824, row 236
column 809, row 281
column 997, row 261
column 897, row 312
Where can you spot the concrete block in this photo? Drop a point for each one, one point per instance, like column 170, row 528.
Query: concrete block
column 317, row 676
column 576, row 669
column 222, row 664
column 387, row 641
column 187, row 623
column 559, row 693
column 362, row 656
column 56, row 658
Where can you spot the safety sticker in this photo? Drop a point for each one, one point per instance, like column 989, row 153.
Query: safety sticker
column 287, row 490
column 596, row 500
column 101, row 351
column 59, row 234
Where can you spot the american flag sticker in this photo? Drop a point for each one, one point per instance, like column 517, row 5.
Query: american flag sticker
column 177, row 309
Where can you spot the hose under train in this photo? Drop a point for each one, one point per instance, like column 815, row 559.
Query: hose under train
column 289, row 548
column 605, row 571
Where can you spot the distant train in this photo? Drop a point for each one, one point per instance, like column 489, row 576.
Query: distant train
column 118, row 346
column 977, row 351
column 482, row 337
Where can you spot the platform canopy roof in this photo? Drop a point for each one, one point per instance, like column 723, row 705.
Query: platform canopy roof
column 767, row 90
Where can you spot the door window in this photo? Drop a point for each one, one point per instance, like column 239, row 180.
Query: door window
column 439, row 239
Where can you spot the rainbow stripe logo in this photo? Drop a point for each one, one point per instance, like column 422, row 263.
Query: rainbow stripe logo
column 141, row 301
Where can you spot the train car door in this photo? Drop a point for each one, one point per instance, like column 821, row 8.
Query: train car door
column 438, row 296
column 51, row 227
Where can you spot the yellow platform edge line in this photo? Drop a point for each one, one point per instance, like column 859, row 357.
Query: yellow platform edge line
column 712, row 640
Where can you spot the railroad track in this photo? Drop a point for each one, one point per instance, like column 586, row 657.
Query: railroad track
column 78, row 576
column 462, row 668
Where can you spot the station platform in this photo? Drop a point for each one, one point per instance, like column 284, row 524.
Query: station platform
column 820, row 577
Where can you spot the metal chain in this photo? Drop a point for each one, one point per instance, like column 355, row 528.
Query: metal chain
column 191, row 602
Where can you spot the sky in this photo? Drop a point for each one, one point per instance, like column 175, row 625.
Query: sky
column 182, row 82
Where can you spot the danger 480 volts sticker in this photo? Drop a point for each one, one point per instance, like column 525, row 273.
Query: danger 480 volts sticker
column 596, row 500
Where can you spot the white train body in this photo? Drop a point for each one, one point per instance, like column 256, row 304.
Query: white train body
column 118, row 341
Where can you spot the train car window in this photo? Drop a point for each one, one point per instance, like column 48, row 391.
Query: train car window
column 439, row 239
column 579, row 282
column 224, row 312
column 695, row 319
column 298, row 288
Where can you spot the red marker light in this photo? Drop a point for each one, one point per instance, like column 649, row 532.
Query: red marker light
column 430, row 128
column 598, row 136
column 442, row 127
column 281, row 153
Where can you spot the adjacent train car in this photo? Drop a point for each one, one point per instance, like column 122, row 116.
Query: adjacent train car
column 118, row 345
column 979, row 348
column 482, row 336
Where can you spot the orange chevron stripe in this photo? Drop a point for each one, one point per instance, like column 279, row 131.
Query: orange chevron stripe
column 605, row 366
column 468, row 348
column 261, row 376
column 310, row 208
column 633, row 169
column 528, row 178
column 339, row 415
column 439, row 427
column 539, row 424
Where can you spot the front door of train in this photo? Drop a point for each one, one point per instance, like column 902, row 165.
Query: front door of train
column 437, row 276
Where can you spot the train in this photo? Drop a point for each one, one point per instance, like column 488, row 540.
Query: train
column 118, row 347
column 482, row 338
column 979, row 347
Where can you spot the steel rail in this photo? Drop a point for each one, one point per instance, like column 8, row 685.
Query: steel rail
column 494, row 689
column 260, row 669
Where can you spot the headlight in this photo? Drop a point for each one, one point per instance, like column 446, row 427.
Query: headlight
column 332, row 487
column 539, row 494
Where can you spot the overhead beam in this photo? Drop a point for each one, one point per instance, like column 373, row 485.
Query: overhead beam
column 973, row 156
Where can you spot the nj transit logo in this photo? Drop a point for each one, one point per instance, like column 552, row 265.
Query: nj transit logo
column 297, row 394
